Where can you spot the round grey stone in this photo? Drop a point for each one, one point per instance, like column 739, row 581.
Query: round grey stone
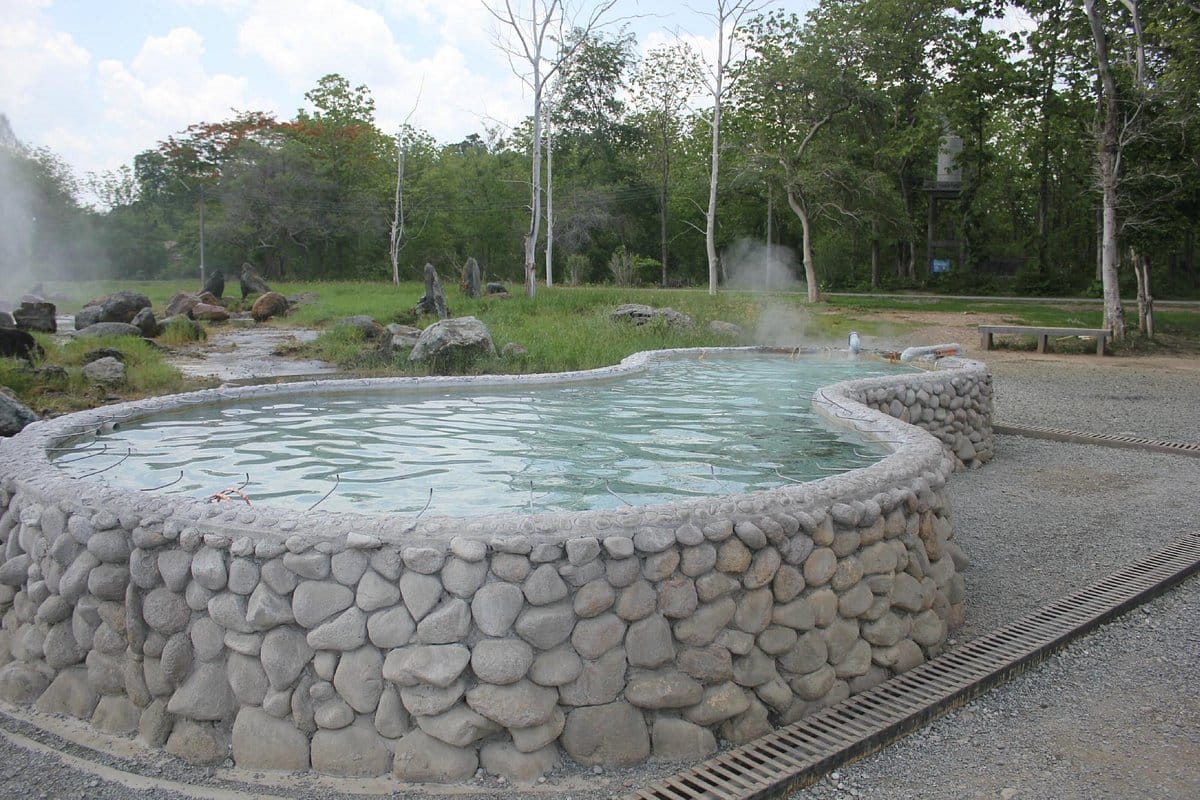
column 165, row 611
column 501, row 661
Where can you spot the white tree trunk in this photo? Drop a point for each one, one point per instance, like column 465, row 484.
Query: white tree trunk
column 810, row 272
column 397, row 233
column 1109, row 160
column 1145, row 299
column 549, row 199
column 535, row 203
column 548, row 23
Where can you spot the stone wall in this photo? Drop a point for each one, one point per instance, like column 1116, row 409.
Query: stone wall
column 427, row 648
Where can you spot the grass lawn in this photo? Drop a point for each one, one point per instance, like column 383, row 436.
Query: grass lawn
column 563, row 328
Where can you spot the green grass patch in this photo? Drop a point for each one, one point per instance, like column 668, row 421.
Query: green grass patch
column 182, row 332
column 57, row 384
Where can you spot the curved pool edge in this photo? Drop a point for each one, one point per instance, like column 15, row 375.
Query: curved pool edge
column 374, row 645
column 29, row 448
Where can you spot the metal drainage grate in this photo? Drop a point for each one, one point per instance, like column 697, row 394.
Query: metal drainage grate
column 1105, row 439
column 799, row 754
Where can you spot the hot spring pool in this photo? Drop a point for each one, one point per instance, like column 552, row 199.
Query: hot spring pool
column 686, row 428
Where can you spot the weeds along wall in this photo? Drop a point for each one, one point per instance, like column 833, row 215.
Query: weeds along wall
column 426, row 649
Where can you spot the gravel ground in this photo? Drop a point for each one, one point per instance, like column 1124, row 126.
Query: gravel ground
column 1114, row 715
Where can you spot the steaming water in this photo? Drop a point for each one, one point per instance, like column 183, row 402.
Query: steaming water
column 688, row 428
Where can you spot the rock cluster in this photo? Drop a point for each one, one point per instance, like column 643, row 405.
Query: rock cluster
column 640, row 314
column 429, row 659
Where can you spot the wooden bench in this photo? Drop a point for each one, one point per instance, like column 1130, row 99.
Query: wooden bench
column 987, row 331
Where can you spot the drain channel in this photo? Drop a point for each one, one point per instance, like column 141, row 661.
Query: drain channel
column 1104, row 439
column 799, row 754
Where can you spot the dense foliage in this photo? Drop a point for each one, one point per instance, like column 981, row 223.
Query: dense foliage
column 834, row 126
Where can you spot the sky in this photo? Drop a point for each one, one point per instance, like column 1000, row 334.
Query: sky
column 99, row 81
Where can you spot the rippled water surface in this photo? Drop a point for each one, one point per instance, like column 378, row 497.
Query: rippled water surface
column 687, row 428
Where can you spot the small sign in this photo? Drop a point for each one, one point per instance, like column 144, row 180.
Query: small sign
column 939, row 265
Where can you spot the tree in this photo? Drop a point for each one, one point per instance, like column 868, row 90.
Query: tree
column 266, row 194
column 663, row 85
column 538, row 46
column 728, row 17
column 800, row 80
column 1108, row 159
column 352, row 156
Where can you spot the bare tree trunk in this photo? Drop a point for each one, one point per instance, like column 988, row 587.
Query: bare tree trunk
column 549, row 199
column 1145, row 300
column 1109, row 158
column 710, row 216
column 810, row 273
column 535, row 202
column 663, row 189
column 728, row 16
column 545, row 25
column 398, row 213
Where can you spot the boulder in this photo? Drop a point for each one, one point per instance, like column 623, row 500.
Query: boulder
column 434, row 299
column 110, row 329
column 251, row 281
column 107, row 371
column 640, row 314
column 454, row 340
column 6, row 319
column 144, row 321
column 180, row 303
column 270, row 304
column 18, row 344
column 370, row 329
column 470, row 278
column 209, row 313
column 122, row 306
column 403, row 335
column 36, row 314
column 14, row 415
column 215, row 285
column 87, row 316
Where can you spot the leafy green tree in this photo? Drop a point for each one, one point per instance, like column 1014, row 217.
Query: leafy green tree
column 664, row 83
column 801, row 81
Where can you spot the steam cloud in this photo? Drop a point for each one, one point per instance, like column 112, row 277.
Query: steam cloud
column 16, row 218
column 755, row 265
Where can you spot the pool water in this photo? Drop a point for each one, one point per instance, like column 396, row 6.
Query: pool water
column 688, row 428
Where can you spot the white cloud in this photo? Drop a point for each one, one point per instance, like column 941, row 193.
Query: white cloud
column 302, row 40
column 165, row 88
column 35, row 54
column 226, row 6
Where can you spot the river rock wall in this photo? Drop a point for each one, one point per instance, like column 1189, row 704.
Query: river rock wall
column 427, row 649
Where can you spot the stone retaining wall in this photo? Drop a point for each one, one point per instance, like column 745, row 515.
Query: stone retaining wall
column 427, row 648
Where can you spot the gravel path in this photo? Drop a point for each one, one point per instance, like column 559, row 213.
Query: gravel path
column 1114, row 715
